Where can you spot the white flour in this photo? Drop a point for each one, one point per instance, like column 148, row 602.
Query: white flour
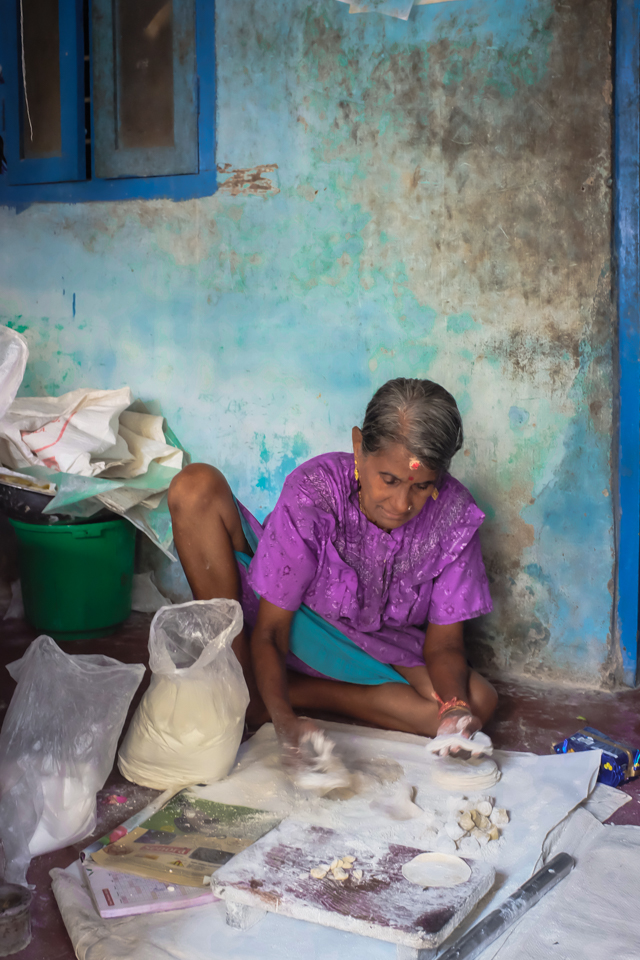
column 593, row 913
column 538, row 791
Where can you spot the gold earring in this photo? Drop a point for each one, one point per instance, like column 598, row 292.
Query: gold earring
column 357, row 475
column 434, row 495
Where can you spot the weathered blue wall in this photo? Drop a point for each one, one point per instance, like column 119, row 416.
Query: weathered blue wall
column 428, row 198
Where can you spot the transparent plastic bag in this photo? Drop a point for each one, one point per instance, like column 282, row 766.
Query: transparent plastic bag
column 190, row 721
column 57, row 746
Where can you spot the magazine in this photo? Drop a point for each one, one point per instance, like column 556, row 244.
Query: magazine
column 185, row 841
column 121, row 894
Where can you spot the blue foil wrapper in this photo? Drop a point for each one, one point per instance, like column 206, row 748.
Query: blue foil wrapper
column 620, row 762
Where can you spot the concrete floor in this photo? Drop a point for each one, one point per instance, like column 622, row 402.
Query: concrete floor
column 530, row 717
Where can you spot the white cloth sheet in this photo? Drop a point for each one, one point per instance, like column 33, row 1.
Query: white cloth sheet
column 539, row 792
column 591, row 914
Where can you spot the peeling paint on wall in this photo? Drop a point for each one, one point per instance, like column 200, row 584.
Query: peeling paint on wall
column 248, row 181
column 421, row 198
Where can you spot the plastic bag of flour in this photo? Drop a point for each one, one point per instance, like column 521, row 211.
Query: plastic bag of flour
column 190, row 721
column 57, row 746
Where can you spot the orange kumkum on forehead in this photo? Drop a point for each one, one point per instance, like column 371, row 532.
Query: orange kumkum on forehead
column 414, row 465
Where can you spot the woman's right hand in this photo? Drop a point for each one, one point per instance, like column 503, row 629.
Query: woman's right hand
column 291, row 731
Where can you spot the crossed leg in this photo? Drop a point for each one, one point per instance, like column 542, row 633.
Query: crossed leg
column 393, row 706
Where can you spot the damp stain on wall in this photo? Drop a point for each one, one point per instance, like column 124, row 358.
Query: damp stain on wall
column 427, row 198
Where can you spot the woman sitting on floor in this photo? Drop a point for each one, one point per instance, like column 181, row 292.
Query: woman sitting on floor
column 365, row 571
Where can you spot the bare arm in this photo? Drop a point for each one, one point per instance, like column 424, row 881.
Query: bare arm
column 269, row 646
column 446, row 662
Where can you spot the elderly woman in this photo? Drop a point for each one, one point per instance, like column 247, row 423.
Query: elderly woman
column 356, row 587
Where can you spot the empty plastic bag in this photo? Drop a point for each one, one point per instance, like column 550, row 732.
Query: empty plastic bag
column 190, row 721
column 57, row 746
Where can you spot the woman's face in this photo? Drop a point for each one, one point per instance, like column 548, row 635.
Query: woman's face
column 393, row 486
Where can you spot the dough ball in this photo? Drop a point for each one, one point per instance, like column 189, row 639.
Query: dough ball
column 484, row 807
column 499, row 817
column 453, row 830
column 480, row 820
column 480, row 836
column 445, row 844
column 494, row 833
column 436, row 870
column 466, row 822
column 469, row 847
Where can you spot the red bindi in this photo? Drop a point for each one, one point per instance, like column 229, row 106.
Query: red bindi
column 410, row 477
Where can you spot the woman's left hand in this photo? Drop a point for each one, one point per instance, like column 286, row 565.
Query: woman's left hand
column 462, row 722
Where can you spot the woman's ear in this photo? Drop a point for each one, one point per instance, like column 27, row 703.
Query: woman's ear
column 356, row 437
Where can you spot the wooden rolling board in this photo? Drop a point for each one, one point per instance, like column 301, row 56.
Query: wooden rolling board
column 273, row 875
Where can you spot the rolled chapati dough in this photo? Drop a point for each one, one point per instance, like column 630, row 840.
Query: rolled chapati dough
column 436, row 870
column 462, row 775
column 478, row 744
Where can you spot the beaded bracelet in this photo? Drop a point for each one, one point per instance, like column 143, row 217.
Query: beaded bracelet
column 453, row 704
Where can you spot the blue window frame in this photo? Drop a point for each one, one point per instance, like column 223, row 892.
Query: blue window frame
column 123, row 103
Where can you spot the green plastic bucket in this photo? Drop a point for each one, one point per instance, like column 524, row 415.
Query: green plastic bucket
column 76, row 578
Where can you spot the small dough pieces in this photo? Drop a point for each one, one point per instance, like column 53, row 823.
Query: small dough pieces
column 455, row 774
column 478, row 744
column 436, row 870
column 340, row 869
column 470, row 825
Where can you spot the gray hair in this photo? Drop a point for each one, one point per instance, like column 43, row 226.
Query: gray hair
column 418, row 414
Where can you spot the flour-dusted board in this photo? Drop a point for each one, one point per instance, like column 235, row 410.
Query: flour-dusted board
column 273, row 875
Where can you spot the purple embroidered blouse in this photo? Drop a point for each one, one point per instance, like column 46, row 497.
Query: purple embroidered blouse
column 379, row 588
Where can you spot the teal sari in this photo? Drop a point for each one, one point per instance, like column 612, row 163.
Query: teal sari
column 322, row 646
